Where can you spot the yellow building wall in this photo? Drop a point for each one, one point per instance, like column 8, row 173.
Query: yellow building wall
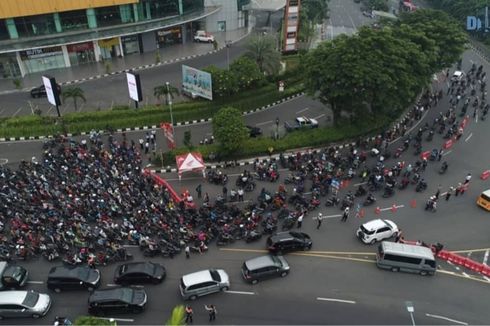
column 19, row 8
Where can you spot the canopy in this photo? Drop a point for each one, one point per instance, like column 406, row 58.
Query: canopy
column 190, row 162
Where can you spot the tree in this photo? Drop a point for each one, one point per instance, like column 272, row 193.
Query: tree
column 460, row 9
column 177, row 317
column 74, row 93
column 224, row 81
column 381, row 5
column 165, row 92
column 247, row 73
column 93, row 321
column 229, row 130
column 262, row 49
column 312, row 12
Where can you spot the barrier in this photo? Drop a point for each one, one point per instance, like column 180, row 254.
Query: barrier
column 485, row 174
column 377, row 210
column 413, row 203
column 362, row 213
column 425, row 155
column 394, row 208
column 448, row 144
column 486, row 270
column 175, row 197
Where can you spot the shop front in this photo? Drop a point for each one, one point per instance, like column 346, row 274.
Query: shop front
column 81, row 53
column 109, row 48
column 169, row 36
column 37, row 60
column 130, row 44
column 9, row 68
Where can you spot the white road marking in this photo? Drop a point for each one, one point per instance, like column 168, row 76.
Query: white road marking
column 117, row 319
column 130, row 246
column 485, row 258
column 468, row 138
column 332, row 216
column 486, row 278
column 264, row 123
column 301, row 111
column 240, row 292
column 466, row 275
column 388, row 208
column 320, row 116
column 358, row 184
column 35, row 282
column 111, row 284
column 446, row 318
column 18, row 110
column 336, row 300
column 446, row 153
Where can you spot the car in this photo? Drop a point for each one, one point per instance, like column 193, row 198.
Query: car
column 301, row 123
column 377, row 230
column 139, row 272
column 263, row 267
column 41, row 91
column 367, row 13
column 117, row 300
column 254, row 131
column 288, row 241
column 12, row 276
column 203, row 36
column 73, row 278
column 457, row 75
column 24, row 304
column 204, row 282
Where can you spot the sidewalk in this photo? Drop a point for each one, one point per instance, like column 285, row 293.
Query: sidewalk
column 97, row 70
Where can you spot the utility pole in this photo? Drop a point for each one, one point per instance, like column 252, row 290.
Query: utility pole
column 228, row 46
column 169, row 100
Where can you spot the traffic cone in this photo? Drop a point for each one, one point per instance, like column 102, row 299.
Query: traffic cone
column 362, row 213
column 394, row 208
column 413, row 203
column 377, row 210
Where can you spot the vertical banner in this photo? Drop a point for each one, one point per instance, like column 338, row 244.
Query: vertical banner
column 52, row 91
column 134, row 87
column 168, row 132
column 291, row 25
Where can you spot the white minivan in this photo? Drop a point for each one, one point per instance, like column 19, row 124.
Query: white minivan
column 203, row 282
column 377, row 230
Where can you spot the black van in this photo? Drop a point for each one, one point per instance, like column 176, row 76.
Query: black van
column 264, row 267
column 73, row 278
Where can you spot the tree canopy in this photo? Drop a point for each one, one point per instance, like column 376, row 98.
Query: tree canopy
column 229, row 129
column 263, row 50
column 460, row 9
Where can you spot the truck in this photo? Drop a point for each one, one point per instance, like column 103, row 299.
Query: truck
column 203, row 36
column 301, row 123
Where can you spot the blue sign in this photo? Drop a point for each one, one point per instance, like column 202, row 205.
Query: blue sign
column 474, row 23
column 197, row 82
column 335, row 184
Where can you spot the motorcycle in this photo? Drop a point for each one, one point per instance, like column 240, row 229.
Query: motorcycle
column 333, row 201
column 443, row 168
column 421, row 186
column 389, row 191
column 360, row 191
column 369, row 201
column 253, row 235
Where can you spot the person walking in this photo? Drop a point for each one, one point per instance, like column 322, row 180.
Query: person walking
column 345, row 215
column 199, row 191
column 225, row 192
column 449, row 193
column 467, row 179
column 458, row 189
column 300, row 219
column 240, row 194
column 438, row 192
column 187, row 251
column 188, row 314
column 211, row 309
column 319, row 221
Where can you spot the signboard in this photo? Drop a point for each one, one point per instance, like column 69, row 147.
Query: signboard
column 198, row 82
column 474, row 23
column 51, row 90
column 134, row 86
column 168, row 132
column 291, row 25
column 40, row 53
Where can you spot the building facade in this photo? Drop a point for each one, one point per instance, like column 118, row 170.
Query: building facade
column 40, row 35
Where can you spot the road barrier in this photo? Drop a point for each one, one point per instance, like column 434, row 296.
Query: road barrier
column 485, row 174
column 448, row 144
column 377, row 210
column 394, row 208
column 464, row 261
column 413, row 203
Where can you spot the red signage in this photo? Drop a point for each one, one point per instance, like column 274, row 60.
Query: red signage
column 168, row 132
column 81, row 47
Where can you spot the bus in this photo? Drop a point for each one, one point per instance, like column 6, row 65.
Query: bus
column 484, row 200
column 406, row 258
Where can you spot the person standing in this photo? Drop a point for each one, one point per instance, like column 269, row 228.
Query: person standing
column 449, row 193
column 438, row 192
column 458, row 189
column 188, row 314
column 300, row 219
column 211, row 309
column 319, row 221
column 199, row 191
column 187, row 251
column 345, row 215
column 225, row 192
column 467, row 179
column 240, row 194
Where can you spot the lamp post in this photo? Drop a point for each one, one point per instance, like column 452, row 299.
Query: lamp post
column 228, row 46
column 410, row 310
column 169, row 100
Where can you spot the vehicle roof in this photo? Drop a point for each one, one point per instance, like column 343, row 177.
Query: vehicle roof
column 66, row 271
column 139, row 267
column 407, row 250
column 259, row 262
column 197, row 277
column 12, row 297
column 377, row 224
column 486, row 192
column 302, row 119
column 457, row 73
column 109, row 294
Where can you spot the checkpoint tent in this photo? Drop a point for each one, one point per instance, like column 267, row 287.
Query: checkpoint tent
column 190, row 162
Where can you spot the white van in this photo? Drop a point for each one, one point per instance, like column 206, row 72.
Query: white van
column 406, row 258
column 203, row 282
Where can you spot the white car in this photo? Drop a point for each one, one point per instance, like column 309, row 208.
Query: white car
column 202, row 36
column 15, row 304
column 377, row 230
column 458, row 75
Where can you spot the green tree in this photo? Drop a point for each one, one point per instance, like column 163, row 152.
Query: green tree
column 247, row 73
column 224, row 81
column 460, row 9
column 177, row 316
column 312, row 12
column 74, row 93
column 162, row 91
column 381, row 5
column 93, row 321
column 229, row 130
column 262, row 49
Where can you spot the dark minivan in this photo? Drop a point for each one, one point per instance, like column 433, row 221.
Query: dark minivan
column 264, row 267
column 73, row 278
column 118, row 300
column 282, row 242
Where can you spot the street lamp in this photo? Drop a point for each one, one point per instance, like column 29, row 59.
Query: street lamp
column 410, row 310
column 169, row 100
column 228, row 46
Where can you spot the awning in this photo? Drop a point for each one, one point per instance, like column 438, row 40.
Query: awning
column 265, row 5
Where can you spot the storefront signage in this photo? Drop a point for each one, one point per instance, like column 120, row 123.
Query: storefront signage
column 40, row 53
column 109, row 42
column 81, row 47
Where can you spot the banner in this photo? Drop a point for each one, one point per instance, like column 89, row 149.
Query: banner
column 198, row 82
column 134, row 86
column 168, row 132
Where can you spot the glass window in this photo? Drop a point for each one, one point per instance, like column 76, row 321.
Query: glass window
column 73, row 20
column 4, row 33
column 160, row 8
column 35, row 25
column 241, row 3
column 192, row 5
column 31, row 299
column 108, row 16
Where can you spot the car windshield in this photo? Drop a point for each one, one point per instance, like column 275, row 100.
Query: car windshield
column 126, row 295
column 30, row 299
column 215, row 275
column 275, row 260
column 366, row 231
column 15, row 273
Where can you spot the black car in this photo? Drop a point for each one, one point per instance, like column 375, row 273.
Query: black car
column 41, row 91
column 139, row 272
column 289, row 241
column 12, row 276
column 117, row 300
column 73, row 278
column 254, row 131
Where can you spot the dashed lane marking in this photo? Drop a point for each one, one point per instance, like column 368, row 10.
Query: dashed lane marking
column 447, row 153
column 304, row 110
column 320, row 116
column 388, row 208
column 468, row 138
column 240, row 292
column 264, row 123
column 446, row 318
column 117, row 319
column 336, row 300
column 35, row 282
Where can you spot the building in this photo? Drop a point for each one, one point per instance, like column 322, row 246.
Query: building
column 38, row 35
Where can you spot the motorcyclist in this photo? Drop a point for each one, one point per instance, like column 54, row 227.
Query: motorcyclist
column 370, row 198
column 444, row 166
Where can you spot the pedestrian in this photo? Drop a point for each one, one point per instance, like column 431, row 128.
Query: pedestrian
column 319, row 221
column 206, row 198
column 345, row 215
column 142, row 143
column 225, row 192
column 398, row 236
column 188, row 314
column 147, row 147
column 467, row 179
column 439, row 156
column 458, row 189
column 464, row 187
column 424, row 164
column 449, row 193
column 300, row 220
column 211, row 309
column 187, row 251
column 438, row 192
column 199, row 191
column 240, row 194
column 153, row 136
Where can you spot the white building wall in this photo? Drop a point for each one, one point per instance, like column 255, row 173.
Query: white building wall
column 228, row 13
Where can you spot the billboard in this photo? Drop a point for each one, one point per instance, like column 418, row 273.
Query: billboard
column 52, row 91
column 291, row 25
column 478, row 23
column 134, row 86
column 197, row 82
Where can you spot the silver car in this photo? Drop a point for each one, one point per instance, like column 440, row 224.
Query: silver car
column 204, row 282
column 15, row 304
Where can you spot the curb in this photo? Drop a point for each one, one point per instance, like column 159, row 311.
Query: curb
column 177, row 124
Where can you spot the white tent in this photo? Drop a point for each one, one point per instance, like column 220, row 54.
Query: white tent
column 190, row 162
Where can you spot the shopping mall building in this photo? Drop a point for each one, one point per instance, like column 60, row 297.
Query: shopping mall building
column 38, row 35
